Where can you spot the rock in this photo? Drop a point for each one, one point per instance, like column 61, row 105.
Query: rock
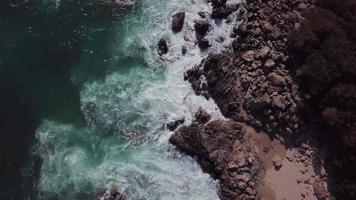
column 201, row 27
column 162, row 47
column 278, row 101
column 276, row 79
column 277, row 162
column 184, row 49
column 270, row 63
column 172, row 126
column 320, row 191
column 219, row 151
column 203, row 43
column 248, row 56
column 235, row 45
column 267, row 27
column 111, row 194
column 202, row 116
column 178, row 21
column 264, row 52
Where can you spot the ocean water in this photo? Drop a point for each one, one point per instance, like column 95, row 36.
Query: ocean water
column 104, row 104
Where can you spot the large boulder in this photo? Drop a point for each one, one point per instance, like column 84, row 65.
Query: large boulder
column 220, row 151
column 178, row 21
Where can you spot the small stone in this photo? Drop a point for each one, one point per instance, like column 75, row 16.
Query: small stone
column 277, row 162
column 276, row 79
column 264, row 52
column 184, row 50
column 270, row 63
column 248, row 56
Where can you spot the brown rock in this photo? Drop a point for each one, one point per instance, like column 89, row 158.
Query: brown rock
column 248, row 56
column 276, row 79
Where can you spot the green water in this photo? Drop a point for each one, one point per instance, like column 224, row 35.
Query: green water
column 100, row 97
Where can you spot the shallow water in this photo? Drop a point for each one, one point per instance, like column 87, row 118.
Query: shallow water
column 126, row 93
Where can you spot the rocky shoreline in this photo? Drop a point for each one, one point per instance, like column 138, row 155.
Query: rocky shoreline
column 256, row 85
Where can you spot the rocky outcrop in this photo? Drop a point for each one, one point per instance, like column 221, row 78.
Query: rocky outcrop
column 252, row 84
column 222, row 151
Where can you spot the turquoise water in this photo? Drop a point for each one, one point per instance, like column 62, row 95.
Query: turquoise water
column 100, row 96
column 123, row 142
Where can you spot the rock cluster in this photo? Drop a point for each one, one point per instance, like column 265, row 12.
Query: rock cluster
column 252, row 84
column 224, row 152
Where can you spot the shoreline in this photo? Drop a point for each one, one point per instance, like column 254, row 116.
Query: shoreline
column 255, row 89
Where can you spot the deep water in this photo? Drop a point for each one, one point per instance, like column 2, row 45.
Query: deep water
column 85, row 98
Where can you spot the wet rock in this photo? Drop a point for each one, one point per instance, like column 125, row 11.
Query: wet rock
column 178, row 21
column 172, row 126
column 203, row 43
column 162, row 47
column 111, row 194
column 184, row 49
column 201, row 27
column 202, row 116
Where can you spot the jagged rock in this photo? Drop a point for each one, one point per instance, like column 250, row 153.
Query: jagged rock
column 162, row 47
column 219, row 151
column 248, row 56
column 178, row 21
column 202, row 116
column 320, row 191
column 111, row 194
column 172, row 126
column 201, row 27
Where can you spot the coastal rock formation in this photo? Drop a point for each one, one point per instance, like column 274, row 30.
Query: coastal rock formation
column 223, row 152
